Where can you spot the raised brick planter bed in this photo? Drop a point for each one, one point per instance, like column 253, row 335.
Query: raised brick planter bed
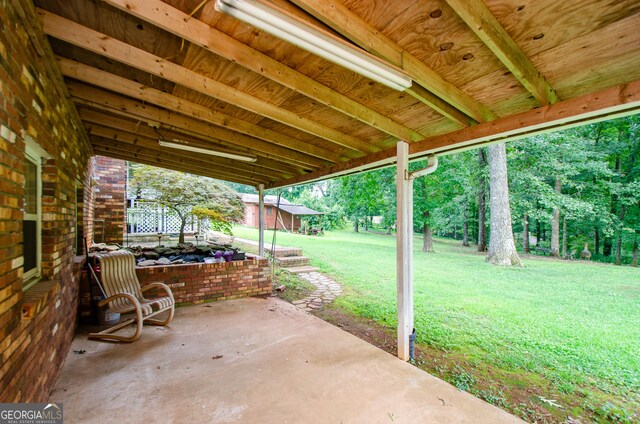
column 201, row 282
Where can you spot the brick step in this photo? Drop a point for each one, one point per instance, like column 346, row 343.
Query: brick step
column 283, row 252
column 301, row 269
column 289, row 261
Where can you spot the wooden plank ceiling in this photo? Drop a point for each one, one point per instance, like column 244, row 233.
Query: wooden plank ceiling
column 140, row 71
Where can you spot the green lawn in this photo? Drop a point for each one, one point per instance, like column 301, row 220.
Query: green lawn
column 576, row 324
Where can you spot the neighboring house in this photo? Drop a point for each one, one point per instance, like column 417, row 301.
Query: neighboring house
column 289, row 216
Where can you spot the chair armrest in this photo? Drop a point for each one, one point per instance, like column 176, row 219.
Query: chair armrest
column 158, row 285
column 131, row 298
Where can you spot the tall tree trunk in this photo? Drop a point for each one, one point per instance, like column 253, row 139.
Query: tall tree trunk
column 502, row 249
column 608, row 242
column 538, row 232
column 465, row 226
column 564, row 237
column 596, row 242
column 619, row 241
column 555, row 225
column 634, row 260
column 482, row 207
column 183, row 223
column 427, row 239
column 525, row 234
column 356, row 225
column 607, row 246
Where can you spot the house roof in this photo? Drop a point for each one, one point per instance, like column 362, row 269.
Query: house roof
column 268, row 199
column 299, row 210
column 481, row 71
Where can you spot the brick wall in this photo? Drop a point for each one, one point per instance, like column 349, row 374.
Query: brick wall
column 110, row 200
column 34, row 106
column 252, row 219
column 197, row 283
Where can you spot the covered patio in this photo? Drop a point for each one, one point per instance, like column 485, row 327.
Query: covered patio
column 187, row 85
column 255, row 360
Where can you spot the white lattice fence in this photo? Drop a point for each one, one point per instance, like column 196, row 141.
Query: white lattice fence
column 145, row 218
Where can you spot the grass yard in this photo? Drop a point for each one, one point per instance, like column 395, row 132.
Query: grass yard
column 565, row 333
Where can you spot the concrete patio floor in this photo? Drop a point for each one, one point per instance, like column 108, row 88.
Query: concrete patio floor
column 275, row 364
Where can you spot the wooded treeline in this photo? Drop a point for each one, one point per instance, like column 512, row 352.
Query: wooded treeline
column 570, row 191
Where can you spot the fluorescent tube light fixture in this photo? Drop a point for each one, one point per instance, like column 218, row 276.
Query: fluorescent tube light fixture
column 176, row 144
column 323, row 44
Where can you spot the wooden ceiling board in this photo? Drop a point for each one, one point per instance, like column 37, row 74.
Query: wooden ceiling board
column 379, row 12
column 234, row 75
column 600, row 59
column 81, row 55
column 114, row 23
column 214, row 104
column 433, row 32
column 236, row 112
column 317, row 112
column 307, row 138
column 497, row 89
column 540, row 25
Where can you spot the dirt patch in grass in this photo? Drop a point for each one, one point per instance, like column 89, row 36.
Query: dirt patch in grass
column 527, row 395
column 295, row 287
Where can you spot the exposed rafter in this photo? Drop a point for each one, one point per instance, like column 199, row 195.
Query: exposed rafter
column 123, row 106
column 106, row 148
column 175, row 21
column 340, row 18
column 152, row 143
column 115, row 83
column 146, row 133
column 482, row 22
column 96, row 42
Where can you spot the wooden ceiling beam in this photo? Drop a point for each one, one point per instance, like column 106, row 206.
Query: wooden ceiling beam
column 340, row 18
column 96, row 42
column 186, row 165
column 610, row 103
column 92, row 116
column 191, row 29
column 155, row 116
column 481, row 21
column 85, row 73
column 197, row 158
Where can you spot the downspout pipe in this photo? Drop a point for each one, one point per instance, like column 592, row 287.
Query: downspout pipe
column 432, row 165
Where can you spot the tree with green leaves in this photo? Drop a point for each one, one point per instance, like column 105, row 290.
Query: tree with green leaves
column 186, row 195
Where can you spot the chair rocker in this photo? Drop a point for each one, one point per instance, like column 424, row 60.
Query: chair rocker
column 123, row 295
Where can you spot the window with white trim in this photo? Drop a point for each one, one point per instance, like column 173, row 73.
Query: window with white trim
column 32, row 217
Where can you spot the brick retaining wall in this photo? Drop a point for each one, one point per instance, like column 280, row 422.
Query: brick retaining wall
column 198, row 283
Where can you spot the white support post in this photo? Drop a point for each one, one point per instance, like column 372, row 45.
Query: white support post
column 261, row 219
column 404, row 249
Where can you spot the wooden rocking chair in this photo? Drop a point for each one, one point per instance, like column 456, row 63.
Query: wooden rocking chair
column 123, row 294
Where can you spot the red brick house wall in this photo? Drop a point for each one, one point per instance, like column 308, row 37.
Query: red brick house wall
column 34, row 106
column 252, row 220
column 110, row 199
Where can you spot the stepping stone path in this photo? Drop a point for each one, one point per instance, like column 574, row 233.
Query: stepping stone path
column 326, row 291
column 292, row 260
